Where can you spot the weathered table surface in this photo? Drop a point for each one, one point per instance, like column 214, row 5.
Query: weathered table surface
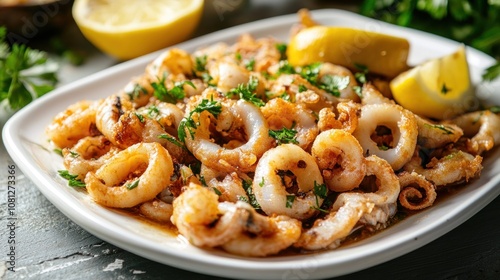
column 50, row 246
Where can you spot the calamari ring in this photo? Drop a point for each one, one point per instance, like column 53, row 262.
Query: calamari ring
column 404, row 131
column 417, row 192
column 242, row 158
column 387, row 182
column 145, row 168
column 282, row 167
column 340, row 159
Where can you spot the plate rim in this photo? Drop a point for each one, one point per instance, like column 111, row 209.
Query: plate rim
column 269, row 267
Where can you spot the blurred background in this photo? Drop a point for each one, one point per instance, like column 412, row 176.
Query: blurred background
column 48, row 25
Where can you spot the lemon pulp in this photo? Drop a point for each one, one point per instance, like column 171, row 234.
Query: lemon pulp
column 127, row 29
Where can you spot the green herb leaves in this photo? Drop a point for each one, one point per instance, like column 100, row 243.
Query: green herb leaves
column 73, row 180
column 284, row 135
column 25, row 74
column 211, row 106
column 332, row 84
column 475, row 23
column 247, row 92
column 172, row 95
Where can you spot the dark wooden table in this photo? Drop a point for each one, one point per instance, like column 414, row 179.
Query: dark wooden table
column 50, row 246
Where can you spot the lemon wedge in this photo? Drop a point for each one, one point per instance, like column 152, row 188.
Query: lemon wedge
column 127, row 29
column 382, row 54
column 439, row 88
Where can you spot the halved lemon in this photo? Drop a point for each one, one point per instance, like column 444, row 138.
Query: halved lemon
column 127, row 29
column 440, row 88
column 380, row 53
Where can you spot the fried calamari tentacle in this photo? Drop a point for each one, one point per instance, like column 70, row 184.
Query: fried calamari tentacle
column 417, row 192
column 483, row 127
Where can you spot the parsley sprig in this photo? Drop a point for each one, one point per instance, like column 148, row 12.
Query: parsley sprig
column 252, row 200
column 172, row 95
column 211, row 106
column 284, row 135
column 247, row 92
column 332, row 84
column 320, row 191
column 25, row 73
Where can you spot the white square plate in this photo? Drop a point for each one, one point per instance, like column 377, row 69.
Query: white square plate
column 25, row 141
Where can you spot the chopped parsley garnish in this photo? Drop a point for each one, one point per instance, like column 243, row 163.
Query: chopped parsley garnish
column 361, row 76
column 284, row 135
column 333, row 84
column 445, row 129
column 358, row 90
column 281, row 47
column 136, row 92
column 216, row 191
column 495, row 109
column 250, row 65
column 25, row 73
column 310, row 72
column 172, row 140
column 261, row 184
column 72, row 179
column 170, row 95
column 140, row 117
column 237, row 55
column 252, row 200
column 211, row 106
column 58, row 151
column 492, row 72
column 302, row 88
column 320, row 191
column 74, row 154
column 445, row 89
column 285, row 96
column 207, row 79
column 383, row 147
column 289, row 200
column 133, row 185
column 247, row 92
column 200, row 63
column 202, row 180
column 153, row 112
column 285, row 68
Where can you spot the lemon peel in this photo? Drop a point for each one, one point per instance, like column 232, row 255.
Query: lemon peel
column 381, row 53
